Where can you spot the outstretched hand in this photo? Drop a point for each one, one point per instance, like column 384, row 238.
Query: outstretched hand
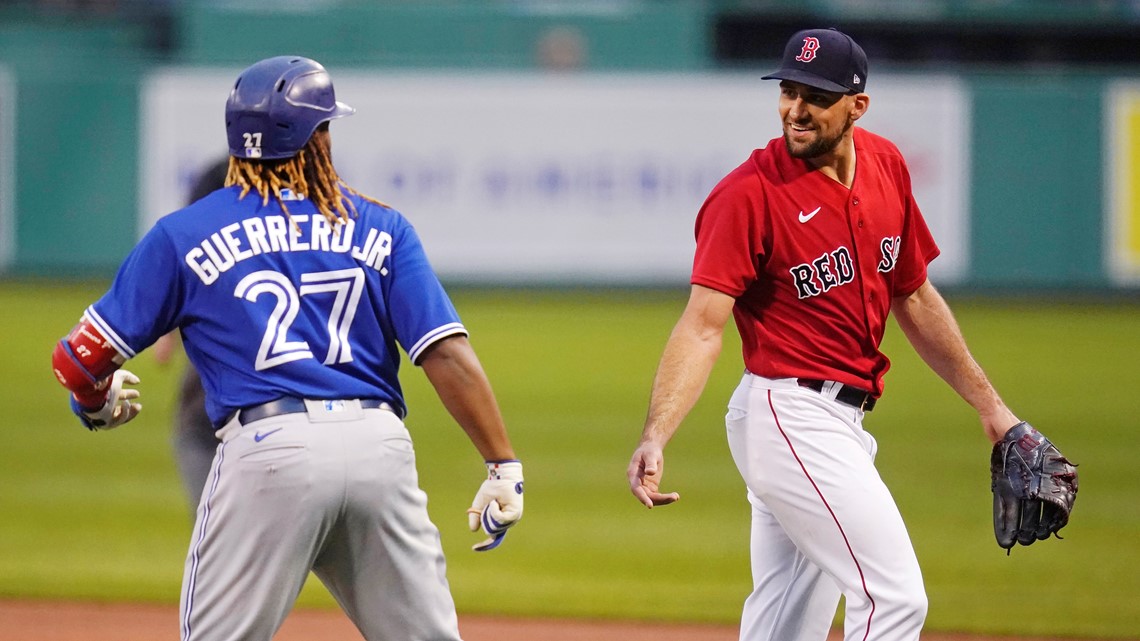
column 645, row 471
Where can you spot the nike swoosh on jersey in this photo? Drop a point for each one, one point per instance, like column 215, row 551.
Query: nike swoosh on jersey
column 259, row 437
column 806, row 217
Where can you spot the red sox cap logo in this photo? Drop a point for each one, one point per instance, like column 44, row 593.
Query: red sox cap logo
column 807, row 54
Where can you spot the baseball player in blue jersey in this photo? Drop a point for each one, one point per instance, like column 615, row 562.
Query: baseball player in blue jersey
column 293, row 293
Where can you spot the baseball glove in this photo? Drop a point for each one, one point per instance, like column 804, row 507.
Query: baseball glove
column 1034, row 487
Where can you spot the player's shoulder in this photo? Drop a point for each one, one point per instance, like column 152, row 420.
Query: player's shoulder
column 373, row 212
column 741, row 190
column 370, row 207
column 200, row 211
column 871, row 142
column 879, row 154
column 212, row 201
column 748, row 175
column 367, row 201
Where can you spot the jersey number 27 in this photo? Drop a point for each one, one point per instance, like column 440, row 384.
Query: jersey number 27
column 344, row 286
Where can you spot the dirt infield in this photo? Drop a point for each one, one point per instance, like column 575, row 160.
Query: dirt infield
column 55, row 621
column 67, row 621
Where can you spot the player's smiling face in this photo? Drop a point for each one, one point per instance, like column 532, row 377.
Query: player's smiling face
column 815, row 121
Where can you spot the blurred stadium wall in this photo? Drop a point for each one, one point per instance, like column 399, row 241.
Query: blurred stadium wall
column 552, row 141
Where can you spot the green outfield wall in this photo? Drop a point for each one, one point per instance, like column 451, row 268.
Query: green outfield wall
column 1043, row 210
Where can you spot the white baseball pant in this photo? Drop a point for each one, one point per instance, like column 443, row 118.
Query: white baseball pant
column 823, row 522
column 332, row 490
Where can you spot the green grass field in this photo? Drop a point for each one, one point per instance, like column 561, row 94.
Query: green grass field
column 102, row 516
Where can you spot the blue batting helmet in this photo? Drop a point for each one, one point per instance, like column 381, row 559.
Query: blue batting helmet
column 277, row 104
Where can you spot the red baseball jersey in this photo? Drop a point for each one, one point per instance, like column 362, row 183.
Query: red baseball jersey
column 813, row 265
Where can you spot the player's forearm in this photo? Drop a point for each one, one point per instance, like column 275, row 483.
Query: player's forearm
column 458, row 378
column 686, row 363
column 930, row 327
column 478, row 414
column 684, row 369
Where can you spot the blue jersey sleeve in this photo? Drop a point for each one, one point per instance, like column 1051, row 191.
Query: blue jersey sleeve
column 422, row 313
column 143, row 301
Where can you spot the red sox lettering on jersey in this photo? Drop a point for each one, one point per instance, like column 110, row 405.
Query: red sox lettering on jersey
column 836, row 268
column 813, row 265
column 890, row 247
column 832, row 269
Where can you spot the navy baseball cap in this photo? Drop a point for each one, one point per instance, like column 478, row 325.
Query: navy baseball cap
column 826, row 59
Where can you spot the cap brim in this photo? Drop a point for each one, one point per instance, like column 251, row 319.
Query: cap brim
column 807, row 78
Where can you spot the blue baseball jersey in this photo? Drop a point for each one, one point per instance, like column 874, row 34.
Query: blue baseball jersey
column 274, row 304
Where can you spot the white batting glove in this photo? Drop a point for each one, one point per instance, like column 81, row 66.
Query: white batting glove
column 119, row 407
column 499, row 503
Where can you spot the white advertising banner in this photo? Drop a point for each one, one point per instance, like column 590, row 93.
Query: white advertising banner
column 533, row 178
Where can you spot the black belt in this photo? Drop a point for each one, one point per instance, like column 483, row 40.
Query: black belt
column 291, row 405
column 852, row 396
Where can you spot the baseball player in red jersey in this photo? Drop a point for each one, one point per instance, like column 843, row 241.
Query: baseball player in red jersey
column 809, row 245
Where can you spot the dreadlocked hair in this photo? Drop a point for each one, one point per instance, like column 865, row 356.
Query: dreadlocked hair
column 310, row 173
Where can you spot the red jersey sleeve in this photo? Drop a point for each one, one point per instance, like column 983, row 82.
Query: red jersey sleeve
column 917, row 247
column 729, row 233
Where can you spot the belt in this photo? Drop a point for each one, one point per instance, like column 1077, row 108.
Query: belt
column 292, row 405
column 852, row 396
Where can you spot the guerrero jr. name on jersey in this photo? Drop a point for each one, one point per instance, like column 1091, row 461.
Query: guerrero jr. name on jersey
column 236, row 242
column 836, row 268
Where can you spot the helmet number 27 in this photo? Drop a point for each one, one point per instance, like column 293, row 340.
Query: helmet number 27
column 342, row 289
